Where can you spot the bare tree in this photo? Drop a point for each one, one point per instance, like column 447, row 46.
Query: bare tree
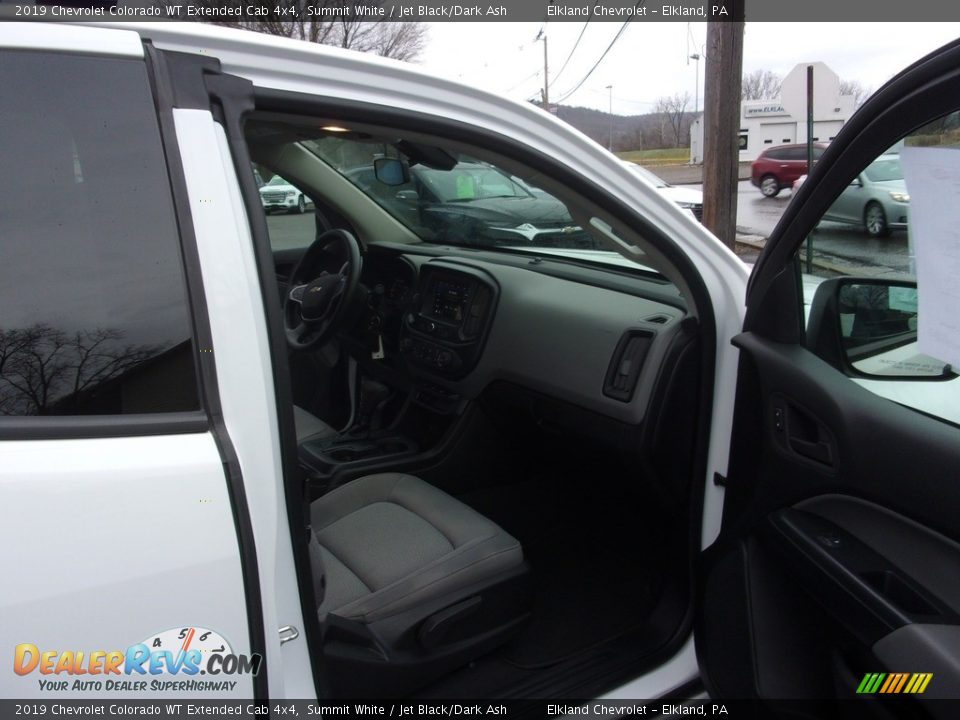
column 42, row 367
column 760, row 85
column 332, row 22
column 672, row 110
column 855, row 88
column 661, row 112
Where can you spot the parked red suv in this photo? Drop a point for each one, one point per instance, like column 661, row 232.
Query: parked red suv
column 779, row 166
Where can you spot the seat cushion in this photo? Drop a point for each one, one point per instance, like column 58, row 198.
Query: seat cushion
column 390, row 542
column 309, row 426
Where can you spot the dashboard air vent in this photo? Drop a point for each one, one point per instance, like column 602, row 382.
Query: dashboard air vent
column 625, row 365
column 658, row 319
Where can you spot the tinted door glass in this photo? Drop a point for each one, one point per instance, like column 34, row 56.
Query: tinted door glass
column 93, row 304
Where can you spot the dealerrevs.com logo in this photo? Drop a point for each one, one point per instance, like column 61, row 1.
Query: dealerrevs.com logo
column 169, row 661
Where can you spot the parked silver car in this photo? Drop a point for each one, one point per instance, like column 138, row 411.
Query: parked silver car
column 876, row 199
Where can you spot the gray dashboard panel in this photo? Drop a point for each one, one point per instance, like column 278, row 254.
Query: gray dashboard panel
column 558, row 337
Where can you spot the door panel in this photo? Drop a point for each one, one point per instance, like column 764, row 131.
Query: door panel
column 117, row 522
column 135, row 536
column 831, row 558
column 838, row 560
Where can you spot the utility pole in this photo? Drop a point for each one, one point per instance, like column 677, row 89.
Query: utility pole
column 546, row 72
column 721, row 126
column 610, row 113
column 696, row 85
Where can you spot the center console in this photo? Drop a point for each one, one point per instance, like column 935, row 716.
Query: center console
column 444, row 331
column 441, row 335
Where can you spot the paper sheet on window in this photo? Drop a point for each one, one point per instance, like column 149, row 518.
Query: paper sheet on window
column 933, row 182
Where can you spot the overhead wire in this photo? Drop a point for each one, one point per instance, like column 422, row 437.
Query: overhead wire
column 600, row 60
column 574, row 49
column 535, row 73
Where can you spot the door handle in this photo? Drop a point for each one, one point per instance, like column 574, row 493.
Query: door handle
column 802, row 434
column 819, row 450
column 288, row 633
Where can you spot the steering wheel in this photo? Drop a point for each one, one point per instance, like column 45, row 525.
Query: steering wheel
column 322, row 289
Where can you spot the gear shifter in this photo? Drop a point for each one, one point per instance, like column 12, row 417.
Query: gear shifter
column 372, row 396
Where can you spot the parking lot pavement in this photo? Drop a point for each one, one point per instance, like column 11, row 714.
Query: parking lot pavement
column 689, row 174
column 291, row 231
column 838, row 248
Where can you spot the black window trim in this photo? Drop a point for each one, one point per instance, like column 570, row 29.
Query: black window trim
column 75, row 427
column 171, row 75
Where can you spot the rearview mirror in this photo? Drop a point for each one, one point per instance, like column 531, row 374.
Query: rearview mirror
column 868, row 326
column 391, row 171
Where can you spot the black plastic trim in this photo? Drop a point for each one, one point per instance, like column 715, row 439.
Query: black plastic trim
column 468, row 351
column 164, row 99
column 231, row 101
column 857, row 417
column 70, row 427
column 835, row 567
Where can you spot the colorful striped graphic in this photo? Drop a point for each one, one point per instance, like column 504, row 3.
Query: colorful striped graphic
column 894, row 683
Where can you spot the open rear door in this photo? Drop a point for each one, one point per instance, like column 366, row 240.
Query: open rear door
column 837, row 570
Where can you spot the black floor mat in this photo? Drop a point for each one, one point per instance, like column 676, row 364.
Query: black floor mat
column 593, row 558
column 586, row 594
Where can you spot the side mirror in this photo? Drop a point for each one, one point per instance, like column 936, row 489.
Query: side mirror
column 391, row 171
column 868, row 327
column 856, row 182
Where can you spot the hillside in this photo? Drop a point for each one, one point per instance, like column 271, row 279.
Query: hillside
column 630, row 132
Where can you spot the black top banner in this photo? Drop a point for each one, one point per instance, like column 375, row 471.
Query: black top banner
column 175, row 709
column 852, row 11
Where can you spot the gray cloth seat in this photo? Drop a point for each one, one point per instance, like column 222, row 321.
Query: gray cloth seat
column 391, row 543
column 309, row 426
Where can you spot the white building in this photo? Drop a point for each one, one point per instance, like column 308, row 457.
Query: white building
column 765, row 123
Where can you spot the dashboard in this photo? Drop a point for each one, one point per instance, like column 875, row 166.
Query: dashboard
column 444, row 329
column 458, row 324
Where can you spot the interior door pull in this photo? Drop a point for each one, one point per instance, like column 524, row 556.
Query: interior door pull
column 819, row 451
column 800, row 433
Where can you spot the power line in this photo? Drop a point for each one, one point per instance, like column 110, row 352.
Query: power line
column 619, row 99
column 534, row 74
column 597, row 64
column 574, row 49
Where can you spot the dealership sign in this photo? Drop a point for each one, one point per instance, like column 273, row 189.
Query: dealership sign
column 764, row 110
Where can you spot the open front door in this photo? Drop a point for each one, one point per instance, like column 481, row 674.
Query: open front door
column 837, row 570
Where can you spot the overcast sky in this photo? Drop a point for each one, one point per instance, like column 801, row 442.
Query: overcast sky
column 651, row 59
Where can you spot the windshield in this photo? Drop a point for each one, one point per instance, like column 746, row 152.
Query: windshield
column 453, row 199
column 469, row 181
column 884, row 170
